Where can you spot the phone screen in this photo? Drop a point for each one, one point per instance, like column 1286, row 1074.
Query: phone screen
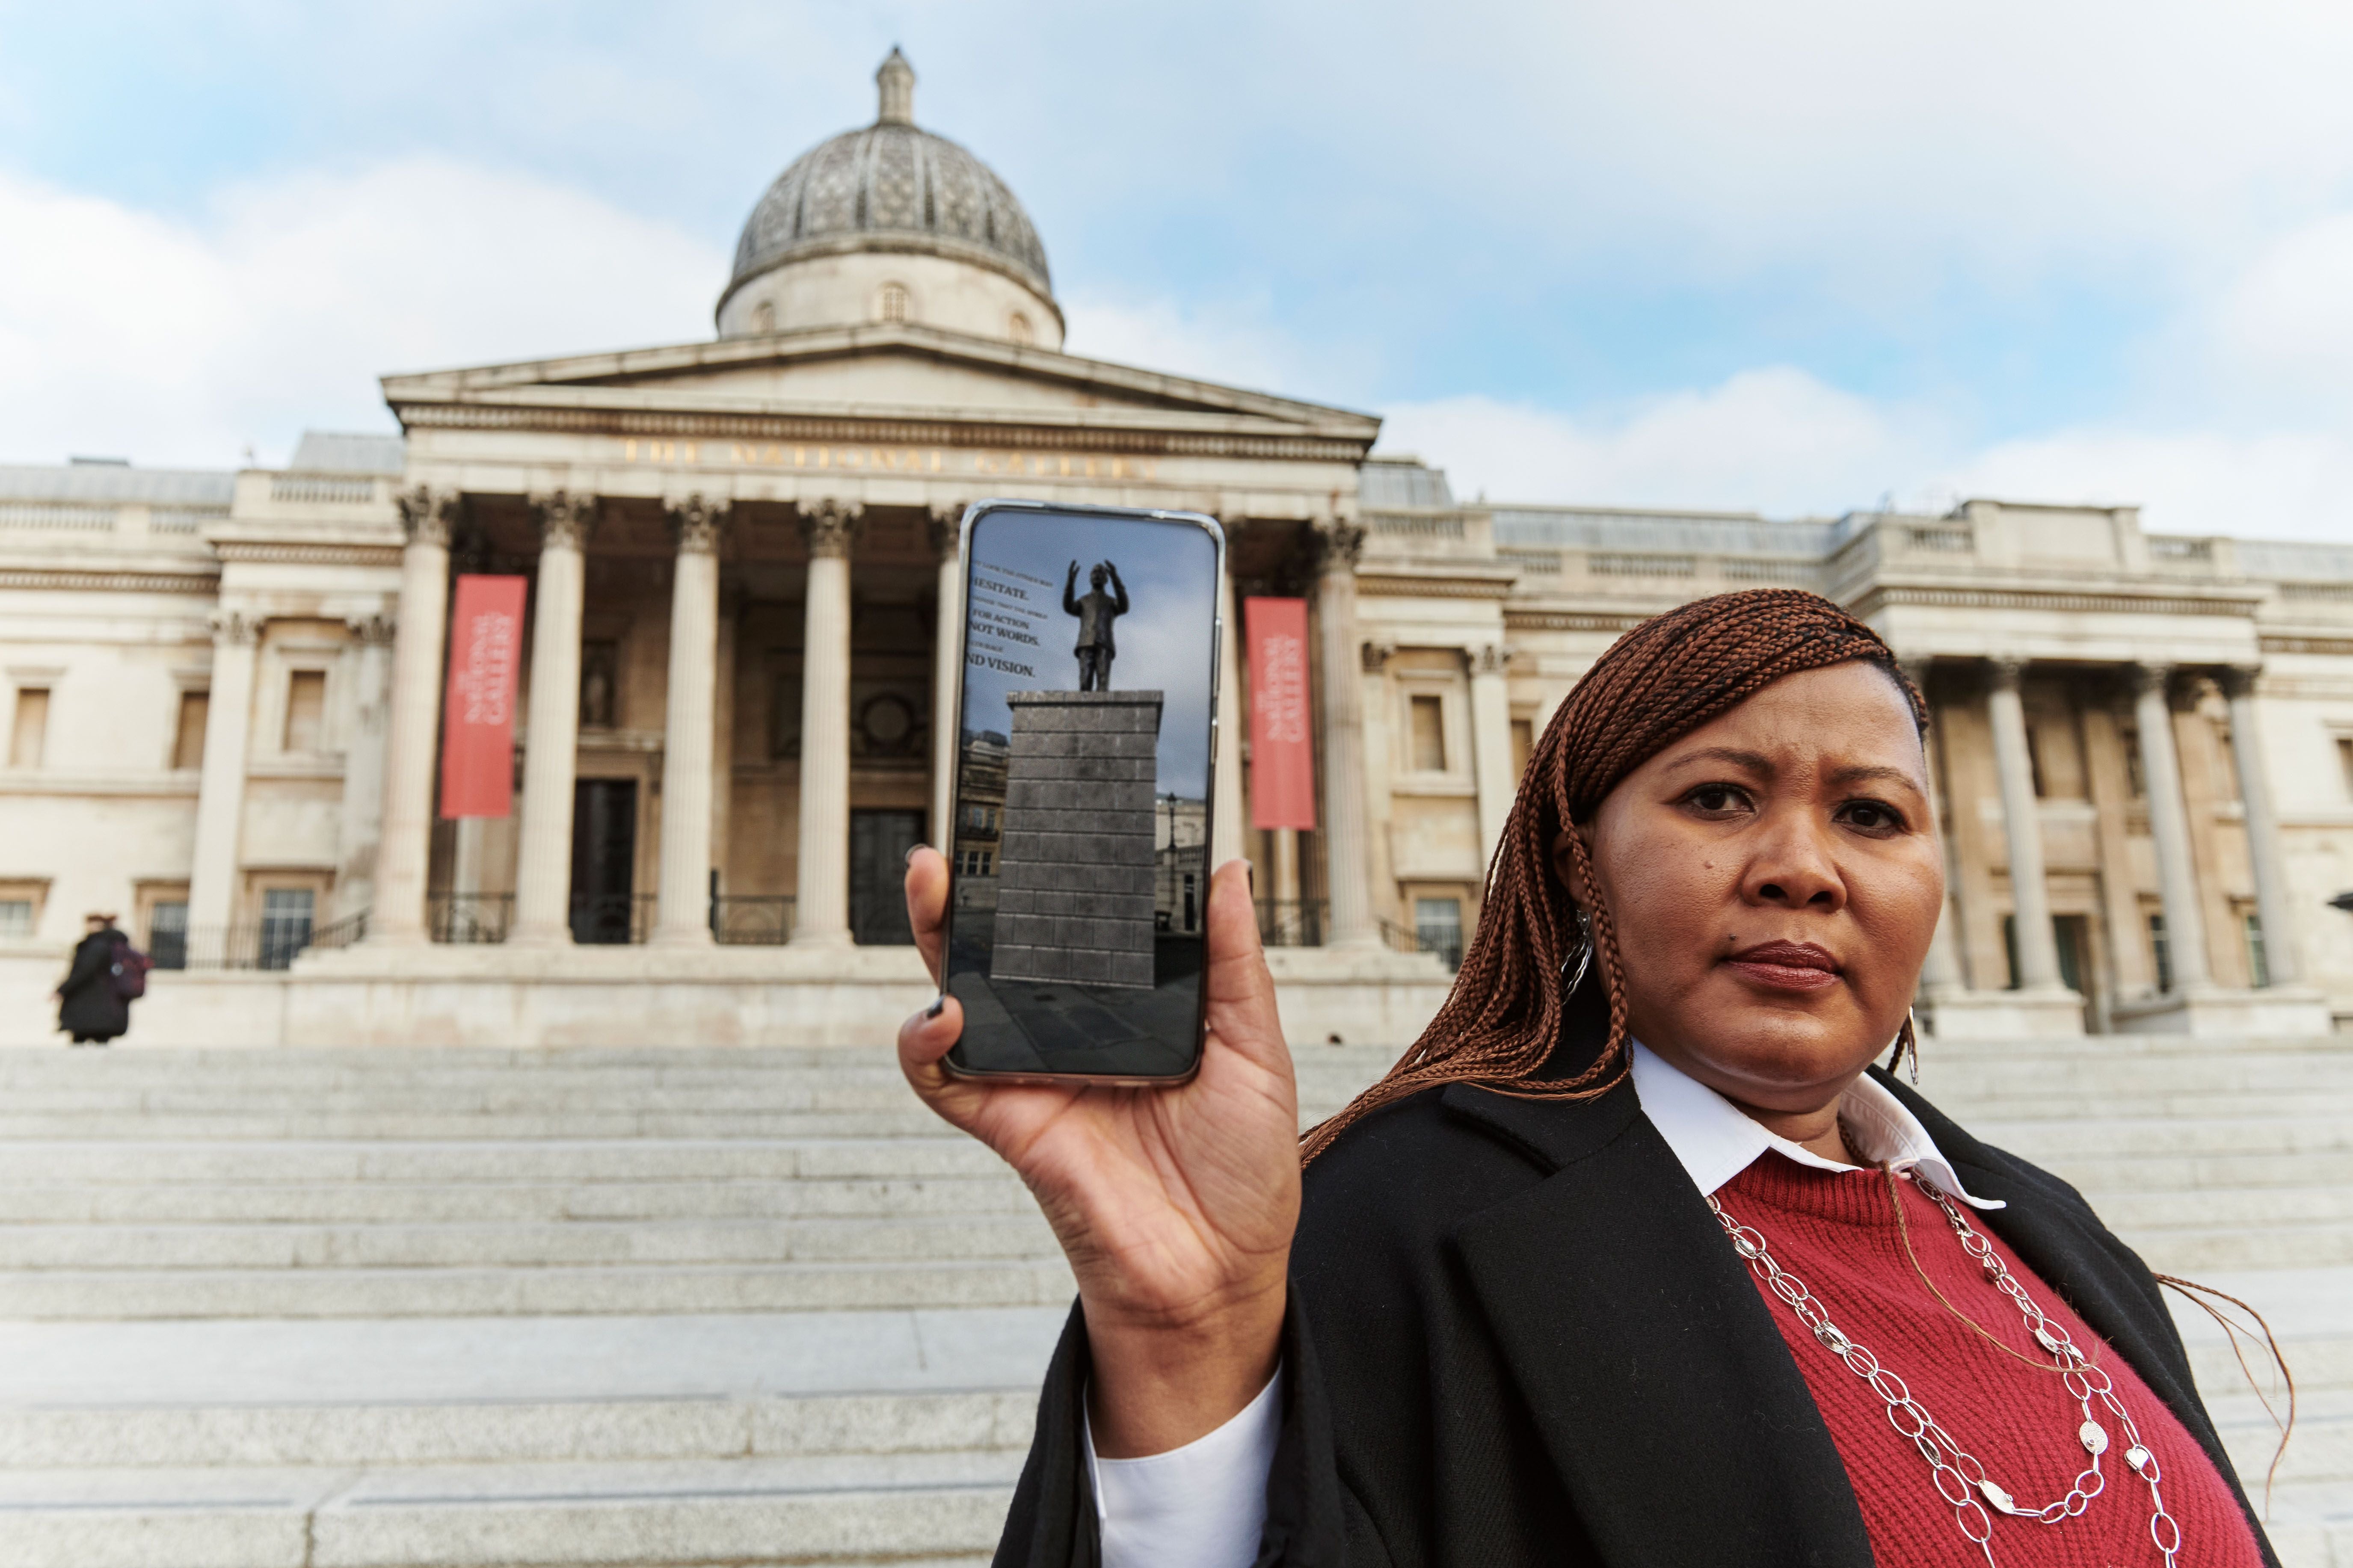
column 1079, row 858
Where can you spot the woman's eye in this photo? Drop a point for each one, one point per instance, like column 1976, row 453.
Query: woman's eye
column 1872, row 816
column 1713, row 798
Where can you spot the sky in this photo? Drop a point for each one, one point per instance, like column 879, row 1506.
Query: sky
column 1795, row 258
column 1021, row 639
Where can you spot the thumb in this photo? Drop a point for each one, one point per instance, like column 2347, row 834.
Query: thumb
column 1240, row 993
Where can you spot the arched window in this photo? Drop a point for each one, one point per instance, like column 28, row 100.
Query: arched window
column 893, row 306
column 1017, row 328
column 763, row 318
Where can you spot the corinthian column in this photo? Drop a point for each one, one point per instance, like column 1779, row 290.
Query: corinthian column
column 822, row 909
column 1226, row 818
column 1941, row 974
column 682, row 916
column 947, row 725
column 1337, row 542
column 220, row 787
column 1490, row 744
column 550, row 749
column 361, row 826
column 2262, row 830
column 2168, row 824
column 2030, row 899
column 412, row 720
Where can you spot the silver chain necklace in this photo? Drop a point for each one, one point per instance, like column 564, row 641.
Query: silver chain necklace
column 1961, row 1479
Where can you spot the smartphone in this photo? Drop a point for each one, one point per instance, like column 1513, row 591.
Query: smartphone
column 1079, row 860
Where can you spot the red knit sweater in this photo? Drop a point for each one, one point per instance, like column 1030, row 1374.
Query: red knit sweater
column 1836, row 1232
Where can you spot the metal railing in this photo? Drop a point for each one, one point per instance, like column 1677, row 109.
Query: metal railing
column 752, row 919
column 1291, row 922
column 268, row 945
column 469, row 918
column 1444, row 940
column 612, row 918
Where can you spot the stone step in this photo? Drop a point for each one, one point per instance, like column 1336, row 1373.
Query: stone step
column 2192, row 1252
column 157, row 1202
column 572, row 1243
column 150, row 1293
column 2201, row 1208
column 623, row 1159
column 906, row 1509
column 480, row 1431
column 2075, row 1144
column 2320, row 1448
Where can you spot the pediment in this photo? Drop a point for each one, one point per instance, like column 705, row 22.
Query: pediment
column 879, row 373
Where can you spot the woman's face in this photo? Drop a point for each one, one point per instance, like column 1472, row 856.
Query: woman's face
column 1775, row 879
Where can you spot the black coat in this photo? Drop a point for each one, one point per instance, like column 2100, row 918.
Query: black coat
column 1517, row 1336
column 90, row 1009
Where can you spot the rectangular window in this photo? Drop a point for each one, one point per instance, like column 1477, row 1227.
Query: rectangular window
column 1438, row 928
column 167, row 933
column 2034, row 762
column 2259, row 968
column 285, row 924
column 2345, row 762
column 1428, row 735
column 1524, row 741
column 15, row 919
column 29, row 737
column 188, row 740
column 306, row 709
column 2162, row 953
column 2130, row 736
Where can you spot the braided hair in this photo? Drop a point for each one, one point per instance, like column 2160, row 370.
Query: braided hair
column 1659, row 682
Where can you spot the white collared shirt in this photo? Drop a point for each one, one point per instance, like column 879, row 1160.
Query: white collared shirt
column 1714, row 1140
column 1203, row 1505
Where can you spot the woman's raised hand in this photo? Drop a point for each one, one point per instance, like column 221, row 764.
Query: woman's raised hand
column 1176, row 1206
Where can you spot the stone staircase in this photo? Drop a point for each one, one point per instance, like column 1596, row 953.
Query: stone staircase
column 668, row 1307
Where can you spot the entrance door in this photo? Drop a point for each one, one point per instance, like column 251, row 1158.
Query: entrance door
column 604, row 858
column 879, row 842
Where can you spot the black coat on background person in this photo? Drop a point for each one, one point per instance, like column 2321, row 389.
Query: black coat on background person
column 90, row 1009
column 1517, row 1337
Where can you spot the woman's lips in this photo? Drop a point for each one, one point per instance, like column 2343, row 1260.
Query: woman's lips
column 1786, row 966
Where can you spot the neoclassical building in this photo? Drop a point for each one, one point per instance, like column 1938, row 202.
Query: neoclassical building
column 223, row 691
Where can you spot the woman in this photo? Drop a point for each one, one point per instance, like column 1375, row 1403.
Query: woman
column 90, row 1009
column 1633, row 1258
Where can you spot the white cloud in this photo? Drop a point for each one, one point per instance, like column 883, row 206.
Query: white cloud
column 1776, row 441
column 1231, row 344
column 1780, row 442
column 176, row 342
column 2286, row 325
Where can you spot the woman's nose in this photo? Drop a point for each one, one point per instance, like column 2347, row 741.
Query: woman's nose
column 1792, row 869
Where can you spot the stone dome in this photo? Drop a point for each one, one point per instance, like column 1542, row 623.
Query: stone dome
column 891, row 189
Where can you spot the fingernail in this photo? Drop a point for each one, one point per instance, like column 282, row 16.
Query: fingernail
column 910, row 856
column 938, row 1002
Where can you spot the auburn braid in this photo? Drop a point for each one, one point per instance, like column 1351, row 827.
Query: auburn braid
column 1664, row 679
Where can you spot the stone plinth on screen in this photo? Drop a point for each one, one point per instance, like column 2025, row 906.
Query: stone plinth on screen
column 1074, row 891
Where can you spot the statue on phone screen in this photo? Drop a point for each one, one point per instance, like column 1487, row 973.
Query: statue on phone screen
column 1096, row 610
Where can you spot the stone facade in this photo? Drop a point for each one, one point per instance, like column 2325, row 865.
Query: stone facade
column 220, row 692
column 1074, row 899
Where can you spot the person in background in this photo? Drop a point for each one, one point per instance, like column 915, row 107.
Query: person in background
column 92, row 1007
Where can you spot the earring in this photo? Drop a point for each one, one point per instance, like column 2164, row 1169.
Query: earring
column 1907, row 1049
column 1582, row 957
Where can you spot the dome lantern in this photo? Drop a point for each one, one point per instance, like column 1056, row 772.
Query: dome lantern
column 890, row 223
column 896, row 78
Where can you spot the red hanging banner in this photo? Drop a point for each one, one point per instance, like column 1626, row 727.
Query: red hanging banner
column 1283, row 745
column 478, row 728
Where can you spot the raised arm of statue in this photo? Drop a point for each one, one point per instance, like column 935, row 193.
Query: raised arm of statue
column 1070, row 598
column 1118, row 606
